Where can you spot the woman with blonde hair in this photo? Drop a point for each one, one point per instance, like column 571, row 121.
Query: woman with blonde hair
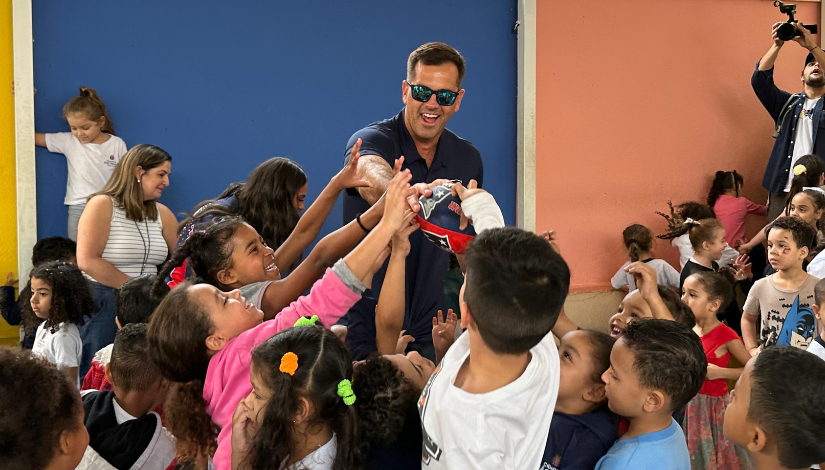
column 123, row 233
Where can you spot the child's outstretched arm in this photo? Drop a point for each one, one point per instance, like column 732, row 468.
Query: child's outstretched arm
column 330, row 249
column 759, row 238
column 310, row 223
column 389, row 313
column 646, row 283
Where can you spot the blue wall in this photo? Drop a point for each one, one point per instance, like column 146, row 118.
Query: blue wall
column 222, row 86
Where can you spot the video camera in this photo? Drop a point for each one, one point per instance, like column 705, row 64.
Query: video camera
column 788, row 31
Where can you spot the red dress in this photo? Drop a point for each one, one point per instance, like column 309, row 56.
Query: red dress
column 713, row 340
column 708, row 446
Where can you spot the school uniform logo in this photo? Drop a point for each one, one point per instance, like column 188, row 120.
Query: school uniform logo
column 110, row 162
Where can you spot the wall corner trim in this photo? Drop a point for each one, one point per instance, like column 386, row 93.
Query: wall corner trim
column 24, row 134
column 526, row 127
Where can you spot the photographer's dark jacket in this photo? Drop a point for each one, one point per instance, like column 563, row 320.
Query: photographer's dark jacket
column 774, row 99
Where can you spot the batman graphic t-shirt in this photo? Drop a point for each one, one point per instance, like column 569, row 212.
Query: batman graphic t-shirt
column 787, row 318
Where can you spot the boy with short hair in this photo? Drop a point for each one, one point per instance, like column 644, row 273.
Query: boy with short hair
column 134, row 304
column 781, row 425
column 123, row 430
column 817, row 346
column 656, row 368
column 489, row 403
column 784, row 298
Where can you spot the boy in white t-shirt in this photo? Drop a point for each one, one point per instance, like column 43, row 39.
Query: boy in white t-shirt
column 91, row 148
column 817, row 346
column 490, row 401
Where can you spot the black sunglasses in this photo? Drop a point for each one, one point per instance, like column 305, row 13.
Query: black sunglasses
column 442, row 97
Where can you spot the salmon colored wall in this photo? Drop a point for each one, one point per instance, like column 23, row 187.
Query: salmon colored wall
column 642, row 101
column 8, row 209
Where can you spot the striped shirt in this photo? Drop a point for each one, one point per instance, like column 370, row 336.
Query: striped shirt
column 133, row 247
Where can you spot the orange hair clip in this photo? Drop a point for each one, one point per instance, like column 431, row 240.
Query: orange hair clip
column 289, row 363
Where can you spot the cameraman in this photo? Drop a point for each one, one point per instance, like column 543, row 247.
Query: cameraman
column 799, row 124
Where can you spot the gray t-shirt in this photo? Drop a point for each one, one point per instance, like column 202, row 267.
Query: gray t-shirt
column 787, row 318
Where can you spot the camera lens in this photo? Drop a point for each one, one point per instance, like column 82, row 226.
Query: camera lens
column 786, row 32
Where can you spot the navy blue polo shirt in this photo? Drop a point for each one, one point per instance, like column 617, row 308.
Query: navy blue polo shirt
column 455, row 159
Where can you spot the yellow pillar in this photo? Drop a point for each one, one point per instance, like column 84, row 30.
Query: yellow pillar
column 8, row 209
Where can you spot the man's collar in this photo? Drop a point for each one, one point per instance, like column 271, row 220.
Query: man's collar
column 416, row 156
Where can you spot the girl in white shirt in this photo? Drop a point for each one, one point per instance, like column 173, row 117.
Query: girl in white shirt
column 91, row 148
column 638, row 240
column 299, row 414
column 60, row 295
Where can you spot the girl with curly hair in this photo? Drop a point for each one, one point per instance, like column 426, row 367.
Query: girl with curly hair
column 41, row 426
column 299, row 414
column 60, row 295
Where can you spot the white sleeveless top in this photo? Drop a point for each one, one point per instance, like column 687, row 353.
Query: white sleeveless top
column 135, row 248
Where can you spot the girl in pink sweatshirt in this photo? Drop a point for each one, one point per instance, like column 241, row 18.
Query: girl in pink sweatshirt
column 202, row 338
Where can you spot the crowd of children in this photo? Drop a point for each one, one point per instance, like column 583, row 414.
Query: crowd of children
column 236, row 367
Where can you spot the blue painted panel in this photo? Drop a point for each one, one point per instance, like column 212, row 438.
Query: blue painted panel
column 225, row 85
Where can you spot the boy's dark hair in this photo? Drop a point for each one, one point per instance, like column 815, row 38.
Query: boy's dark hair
column 668, row 356
column 602, row 344
column 803, row 234
column 130, row 364
column 515, row 287
column 798, row 423
column 135, row 302
column 682, row 314
column 53, row 249
column 38, row 404
column 71, row 298
column 819, row 292
column 386, row 404
column 434, row 53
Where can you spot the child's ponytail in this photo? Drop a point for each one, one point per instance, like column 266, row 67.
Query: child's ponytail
column 187, row 420
column 807, row 172
column 89, row 104
column 676, row 226
column 206, row 252
column 723, row 181
column 637, row 239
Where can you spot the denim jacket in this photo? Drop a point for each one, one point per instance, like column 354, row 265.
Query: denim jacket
column 774, row 99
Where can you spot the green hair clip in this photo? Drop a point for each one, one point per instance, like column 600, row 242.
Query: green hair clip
column 345, row 392
column 304, row 321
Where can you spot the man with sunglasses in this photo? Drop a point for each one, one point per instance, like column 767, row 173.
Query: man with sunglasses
column 431, row 94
